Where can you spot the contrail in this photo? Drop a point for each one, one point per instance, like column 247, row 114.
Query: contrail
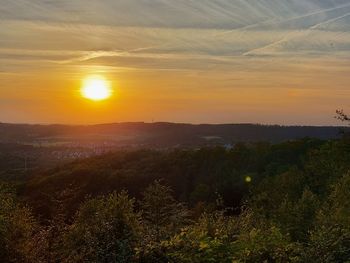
column 296, row 33
column 283, row 39
column 328, row 21
column 245, row 27
column 274, row 22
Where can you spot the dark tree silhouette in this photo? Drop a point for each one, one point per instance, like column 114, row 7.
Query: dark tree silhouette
column 342, row 116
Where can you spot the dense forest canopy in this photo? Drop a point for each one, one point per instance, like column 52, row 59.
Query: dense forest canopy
column 254, row 202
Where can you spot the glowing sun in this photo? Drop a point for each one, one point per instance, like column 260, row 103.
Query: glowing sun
column 96, row 88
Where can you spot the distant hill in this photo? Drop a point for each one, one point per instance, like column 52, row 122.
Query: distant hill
column 159, row 134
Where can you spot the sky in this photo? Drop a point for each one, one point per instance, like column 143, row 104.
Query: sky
column 196, row 61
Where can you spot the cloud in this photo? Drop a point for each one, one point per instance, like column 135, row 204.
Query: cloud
column 198, row 35
column 211, row 27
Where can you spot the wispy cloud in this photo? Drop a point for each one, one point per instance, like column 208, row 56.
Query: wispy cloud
column 213, row 44
column 224, row 28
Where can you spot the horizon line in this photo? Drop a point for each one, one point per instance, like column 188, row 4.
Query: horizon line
column 174, row 123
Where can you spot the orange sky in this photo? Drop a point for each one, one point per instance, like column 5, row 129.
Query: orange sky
column 291, row 68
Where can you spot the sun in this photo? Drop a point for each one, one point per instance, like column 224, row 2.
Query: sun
column 96, row 88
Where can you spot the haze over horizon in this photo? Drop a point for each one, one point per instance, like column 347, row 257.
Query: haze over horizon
column 210, row 61
column 336, row 125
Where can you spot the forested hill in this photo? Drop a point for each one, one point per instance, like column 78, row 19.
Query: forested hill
column 162, row 134
column 256, row 202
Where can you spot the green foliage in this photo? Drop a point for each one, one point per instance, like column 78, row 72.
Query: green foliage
column 339, row 201
column 295, row 208
column 162, row 215
column 297, row 218
column 105, row 229
column 265, row 245
column 326, row 164
column 330, row 240
column 195, row 176
column 328, row 244
column 267, row 196
column 209, row 240
column 17, row 227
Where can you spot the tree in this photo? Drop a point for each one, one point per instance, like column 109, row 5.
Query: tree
column 330, row 240
column 296, row 218
column 342, row 116
column 105, row 229
column 162, row 214
column 162, row 217
column 17, row 227
column 208, row 240
column 266, row 244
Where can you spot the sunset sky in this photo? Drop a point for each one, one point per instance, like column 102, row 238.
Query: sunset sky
column 197, row 61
